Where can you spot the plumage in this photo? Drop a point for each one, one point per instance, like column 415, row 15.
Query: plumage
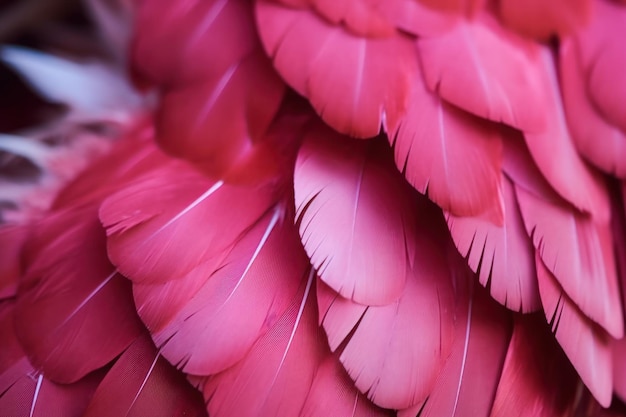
column 555, row 155
column 537, row 379
column 213, row 110
column 313, row 208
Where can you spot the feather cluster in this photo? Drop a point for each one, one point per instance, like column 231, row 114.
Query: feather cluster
column 344, row 208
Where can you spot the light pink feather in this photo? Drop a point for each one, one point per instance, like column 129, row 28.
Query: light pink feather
column 214, row 325
column 394, row 352
column 448, row 154
column 355, row 84
column 161, row 226
column 537, row 379
column 74, row 313
column 356, row 216
column 598, row 141
column 554, row 152
column 142, row 383
column 503, row 257
column 485, row 71
column 586, row 345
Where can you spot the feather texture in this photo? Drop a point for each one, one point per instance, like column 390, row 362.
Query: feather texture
column 150, row 221
column 449, row 155
column 498, row 78
column 503, row 257
column 467, row 383
column 356, row 216
column 142, row 383
column 216, row 106
column 205, row 331
column 394, row 352
column 541, row 20
column 586, row 345
column 355, row 84
column 598, row 141
column 537, row 379
column 74, row 313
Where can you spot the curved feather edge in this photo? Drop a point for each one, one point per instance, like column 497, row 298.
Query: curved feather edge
column 394, row 352
column 499, row 77
column 197, row 322
column 556, row 157
column 368, row 90
column 580, row 255
column 503, row 257
column 448, row 154
column 598, row 141
column 587, row 346
column 355, row 215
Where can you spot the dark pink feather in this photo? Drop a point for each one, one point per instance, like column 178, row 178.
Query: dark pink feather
column 74, row 313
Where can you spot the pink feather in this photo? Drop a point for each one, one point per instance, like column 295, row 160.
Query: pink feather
column 206, row 331
column 556, row 157
column 12, row 238
column 394, row 352
column 74, row 313
column 355, row 84
column 466, row 385
column 150, row 221
column 586, row 345
column 485, row 71
column 579, row 253
column 598, row 141
column 214, row 103
column 451, row 156
column 276, row 375
column 537, row 379
column 503, row 257
column 142, row 383
column 333, row 394
column 603, row 58
column 356, row 216
column 541, row 20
